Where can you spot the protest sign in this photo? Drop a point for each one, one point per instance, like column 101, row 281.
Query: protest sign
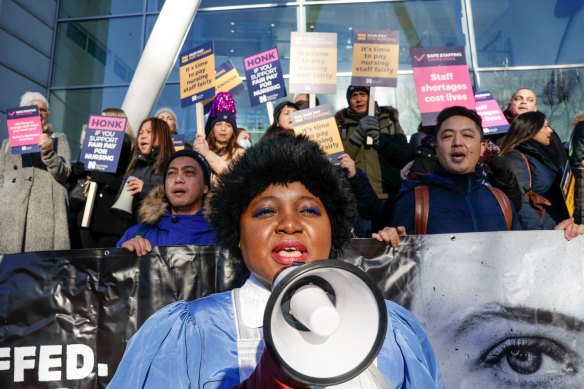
column 319, row 125
column 313, row 62
column 568, row 186
column 103, row 143
column 226, row 80
column 442, row 80
column 494, row 121
column 178, row 141
column 197, row 75
column 24, row 129
column 265, row 78
column 375, row 58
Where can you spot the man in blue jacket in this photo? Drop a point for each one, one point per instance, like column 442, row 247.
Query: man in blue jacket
column 458, row 198
column 173, row 214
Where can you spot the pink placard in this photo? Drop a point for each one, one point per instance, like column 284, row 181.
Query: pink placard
column 494, row 121
column 442, row 80
column 108, row 123
column 24, row 125
column 261, row 59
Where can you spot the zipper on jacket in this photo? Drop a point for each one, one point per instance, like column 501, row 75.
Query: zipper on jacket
column 467, row 197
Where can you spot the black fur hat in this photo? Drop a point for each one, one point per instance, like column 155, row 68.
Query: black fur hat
column 281, row 160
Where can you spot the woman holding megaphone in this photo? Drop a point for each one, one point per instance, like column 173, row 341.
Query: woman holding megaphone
column 282, row 203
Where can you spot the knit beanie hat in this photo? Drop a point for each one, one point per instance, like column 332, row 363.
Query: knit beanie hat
column 194, row 155
column 170, row 111
column 354, row 88
column 27, row 97
column 222, row 110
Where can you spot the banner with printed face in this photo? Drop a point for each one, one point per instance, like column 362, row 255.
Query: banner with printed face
column 318, row 123
column 501, row 309
column 313, row 62
column 265, row 78
column 442, row 80
column 103, row 143
column 197, row 75
column 375, row 58
column 494, row 121
column 24, row 129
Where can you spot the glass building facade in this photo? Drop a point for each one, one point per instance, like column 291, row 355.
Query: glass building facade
column 509, row 44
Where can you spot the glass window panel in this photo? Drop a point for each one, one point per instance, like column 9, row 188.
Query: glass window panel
column 70, row 109
column 241, row 33
column 420, row 23
column 506, row 31
column 97, row 52
column 156, row 5
column 558, row 96
column 76, row 8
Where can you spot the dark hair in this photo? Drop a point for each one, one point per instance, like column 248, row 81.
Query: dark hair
column 522, row 128
column 160, row 132
column 279, row 161
column 458, row 110
column 275, row 129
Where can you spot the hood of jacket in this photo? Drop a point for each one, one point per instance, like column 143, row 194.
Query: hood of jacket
column 153, row 206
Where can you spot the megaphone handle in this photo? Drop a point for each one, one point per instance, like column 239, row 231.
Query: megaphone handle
column 268, row 374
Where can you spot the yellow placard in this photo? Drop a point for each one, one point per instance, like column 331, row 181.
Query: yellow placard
column 319, row 125
column 197, row 76
column 374, row 60
column 569, row 190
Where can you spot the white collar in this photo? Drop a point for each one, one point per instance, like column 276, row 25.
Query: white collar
column 253, row 298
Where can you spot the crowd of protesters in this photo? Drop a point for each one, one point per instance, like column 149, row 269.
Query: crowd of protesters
column 469, row 182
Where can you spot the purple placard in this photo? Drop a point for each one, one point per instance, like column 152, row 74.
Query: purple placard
column 264, row 76
column 494, row 121
column 103, row 143
column 442, row 80
column 24, row 128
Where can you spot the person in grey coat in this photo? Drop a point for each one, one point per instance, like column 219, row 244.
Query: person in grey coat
column 33, row 198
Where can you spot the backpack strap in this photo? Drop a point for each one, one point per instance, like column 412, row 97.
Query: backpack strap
column 505, row 205
column 421, row 209
column 528, row 167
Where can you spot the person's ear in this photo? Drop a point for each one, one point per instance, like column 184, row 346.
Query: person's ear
column 206, row 189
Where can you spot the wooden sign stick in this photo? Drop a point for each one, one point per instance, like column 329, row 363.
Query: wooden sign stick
column 371, row 111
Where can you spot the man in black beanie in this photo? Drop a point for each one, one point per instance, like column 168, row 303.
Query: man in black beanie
column 386, row 154
column 173, row 214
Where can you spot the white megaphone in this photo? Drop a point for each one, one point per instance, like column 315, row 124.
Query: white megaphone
column 123, row 205
column 324, row 322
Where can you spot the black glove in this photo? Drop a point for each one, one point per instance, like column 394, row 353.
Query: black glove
column 503, row 178
column 78, row 169
column 358, row 136
column 99, row 177
column 370, row 126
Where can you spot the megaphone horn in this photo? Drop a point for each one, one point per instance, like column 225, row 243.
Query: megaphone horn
column 325, row 322
column 123, row 205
